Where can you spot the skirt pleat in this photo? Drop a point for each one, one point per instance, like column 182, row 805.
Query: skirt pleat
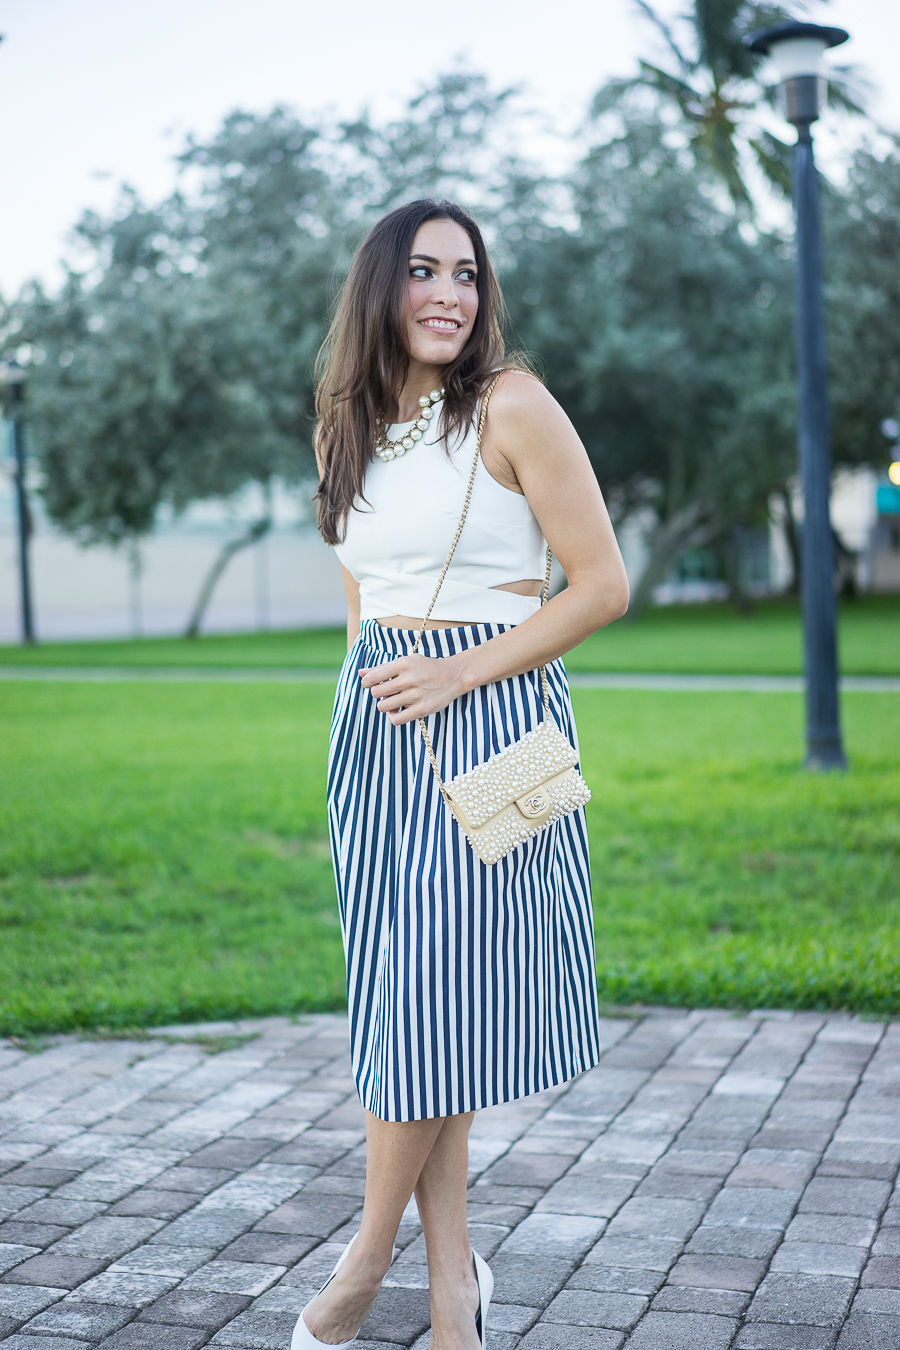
column 467, row 985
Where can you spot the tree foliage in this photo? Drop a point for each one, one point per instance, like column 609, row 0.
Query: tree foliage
column 862, row 242
column 667, row 338
column 178, row 364
column 709, row 80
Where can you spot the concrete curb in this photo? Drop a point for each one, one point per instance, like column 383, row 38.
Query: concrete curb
column 755, row 684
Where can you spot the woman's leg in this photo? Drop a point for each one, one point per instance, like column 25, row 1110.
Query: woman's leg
column 441, row 1200
column 395, row 1156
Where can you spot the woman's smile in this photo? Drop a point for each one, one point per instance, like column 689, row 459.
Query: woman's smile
column 441, row 325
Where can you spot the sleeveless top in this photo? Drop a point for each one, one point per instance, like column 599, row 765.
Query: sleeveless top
column 397, row 540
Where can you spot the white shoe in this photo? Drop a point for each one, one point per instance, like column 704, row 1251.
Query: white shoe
column 303, row 1339
column 485, row 1278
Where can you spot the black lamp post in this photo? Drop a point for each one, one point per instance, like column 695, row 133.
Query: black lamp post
column 797, row 50
column 14, row 377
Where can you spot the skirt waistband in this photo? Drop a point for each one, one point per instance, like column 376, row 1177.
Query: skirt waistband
column 393, row 642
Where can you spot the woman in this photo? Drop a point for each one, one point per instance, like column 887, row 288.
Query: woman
column 468, row 985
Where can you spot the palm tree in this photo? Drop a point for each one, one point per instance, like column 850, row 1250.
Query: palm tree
column 711, row 82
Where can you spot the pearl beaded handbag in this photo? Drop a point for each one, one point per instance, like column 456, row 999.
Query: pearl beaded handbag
column 529, row 784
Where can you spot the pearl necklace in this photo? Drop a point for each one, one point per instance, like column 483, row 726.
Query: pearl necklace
column 388, row 450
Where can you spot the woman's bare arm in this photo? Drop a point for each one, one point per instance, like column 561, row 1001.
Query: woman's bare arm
column 531, row 446
column 351, row 586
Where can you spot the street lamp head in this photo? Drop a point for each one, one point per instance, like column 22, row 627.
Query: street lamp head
column 12, row 374
column 797, row 51
column 13, row 378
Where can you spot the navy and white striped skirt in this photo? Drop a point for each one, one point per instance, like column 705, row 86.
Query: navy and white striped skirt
column 468, row 985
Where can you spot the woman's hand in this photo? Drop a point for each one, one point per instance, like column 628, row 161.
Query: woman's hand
column 414, row 686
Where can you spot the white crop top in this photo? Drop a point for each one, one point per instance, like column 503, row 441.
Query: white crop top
column 397, row 540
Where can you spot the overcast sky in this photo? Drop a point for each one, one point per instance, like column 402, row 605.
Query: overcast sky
column 96, row 92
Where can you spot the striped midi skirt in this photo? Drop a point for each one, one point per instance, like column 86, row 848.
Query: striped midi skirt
column 468, row 985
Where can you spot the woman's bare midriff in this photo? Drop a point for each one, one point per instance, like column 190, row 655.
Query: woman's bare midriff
column 532, row 588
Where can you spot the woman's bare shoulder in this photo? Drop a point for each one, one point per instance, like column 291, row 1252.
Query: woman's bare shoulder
column 520, row 400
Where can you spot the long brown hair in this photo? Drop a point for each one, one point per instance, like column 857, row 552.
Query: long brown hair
column 364, row 361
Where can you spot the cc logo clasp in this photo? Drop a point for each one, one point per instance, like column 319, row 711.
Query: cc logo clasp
column 534, row 804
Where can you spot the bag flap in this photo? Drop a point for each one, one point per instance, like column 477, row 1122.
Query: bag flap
column 511, row 774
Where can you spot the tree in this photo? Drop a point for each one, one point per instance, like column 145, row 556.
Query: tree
column 667, row 337
column 169, row 373
column 710, row 83
column 131, row 404
column 862, row 245
column 266, row 230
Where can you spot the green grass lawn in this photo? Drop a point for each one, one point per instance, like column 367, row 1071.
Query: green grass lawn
column 715, row 640
column 163, row 853
column 690, row 639
column 312, row 648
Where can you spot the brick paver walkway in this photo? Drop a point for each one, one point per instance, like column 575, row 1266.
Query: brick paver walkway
column 718, row 1181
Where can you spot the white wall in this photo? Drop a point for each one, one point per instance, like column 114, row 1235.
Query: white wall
column 288, row 580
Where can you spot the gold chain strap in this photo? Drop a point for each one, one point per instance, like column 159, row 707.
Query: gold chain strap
column 545, row 589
